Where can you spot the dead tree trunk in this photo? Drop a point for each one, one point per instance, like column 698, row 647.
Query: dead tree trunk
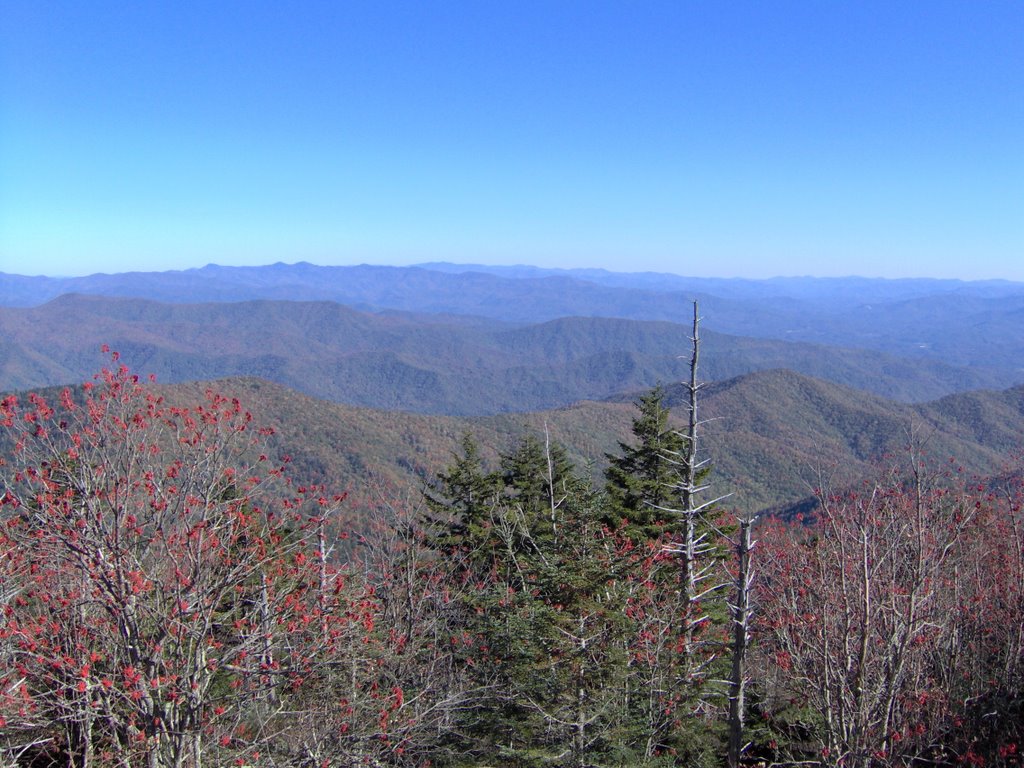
column 694, row 548
column 741, row 612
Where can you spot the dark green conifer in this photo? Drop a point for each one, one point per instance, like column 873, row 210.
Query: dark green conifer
column 460, row 503
column 640, row 481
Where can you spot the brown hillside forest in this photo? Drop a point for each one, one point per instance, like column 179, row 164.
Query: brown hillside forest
column 171, row 596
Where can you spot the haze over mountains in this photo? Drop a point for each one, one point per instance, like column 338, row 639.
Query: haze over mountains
column 425, row 363
column 808, row 373
column 956, row 322
column 940, row 325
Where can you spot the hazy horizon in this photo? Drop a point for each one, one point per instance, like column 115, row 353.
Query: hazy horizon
column 701, row 140
column 521, row 265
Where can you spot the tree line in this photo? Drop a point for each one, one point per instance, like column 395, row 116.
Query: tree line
column 170, row 597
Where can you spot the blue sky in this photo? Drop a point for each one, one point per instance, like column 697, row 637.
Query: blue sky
column 702, row 138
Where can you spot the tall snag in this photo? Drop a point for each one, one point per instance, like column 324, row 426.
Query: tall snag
column 741, row 614
column 697, row 552
column 698, row 549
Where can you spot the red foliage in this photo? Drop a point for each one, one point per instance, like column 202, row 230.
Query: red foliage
column 155, row 565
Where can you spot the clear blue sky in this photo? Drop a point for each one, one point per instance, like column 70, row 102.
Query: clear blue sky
column 701, row 138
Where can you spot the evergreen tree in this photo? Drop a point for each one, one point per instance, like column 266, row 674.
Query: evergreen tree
column 460, row 503
column 536, row 475
column 581, row 633
column 542, row 625
column 640, row 480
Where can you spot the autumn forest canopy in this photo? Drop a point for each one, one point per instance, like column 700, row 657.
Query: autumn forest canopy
column 752, row 568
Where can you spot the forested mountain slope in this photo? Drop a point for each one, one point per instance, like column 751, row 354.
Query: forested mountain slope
column 777, row 434
column 424, row 363
column 771, row 436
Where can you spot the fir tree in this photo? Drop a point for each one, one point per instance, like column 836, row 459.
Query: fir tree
column 640, row 480
column 460, row 503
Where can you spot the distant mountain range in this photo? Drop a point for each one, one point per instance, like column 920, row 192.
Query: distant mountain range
column 425, row 363
column 979, row 325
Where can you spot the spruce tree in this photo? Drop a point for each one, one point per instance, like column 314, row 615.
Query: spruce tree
column 461, row 502
column 640, row 480
column 542, row 625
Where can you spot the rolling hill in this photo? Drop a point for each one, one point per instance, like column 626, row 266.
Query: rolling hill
column 975, row 324
column 771, row 435
column 425, row 363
